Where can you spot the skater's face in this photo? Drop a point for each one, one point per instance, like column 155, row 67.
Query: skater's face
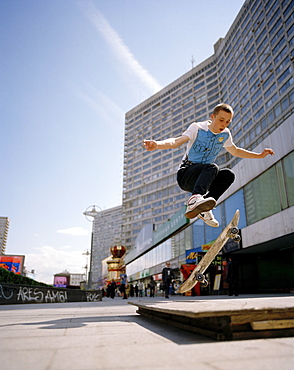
column 220, row 121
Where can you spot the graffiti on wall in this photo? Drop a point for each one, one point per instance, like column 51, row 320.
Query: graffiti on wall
column 12, row 294
column 5, row 293
column 93, row 297
column 39, row 296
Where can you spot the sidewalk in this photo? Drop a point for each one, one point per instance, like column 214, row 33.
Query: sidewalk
column 111, row 335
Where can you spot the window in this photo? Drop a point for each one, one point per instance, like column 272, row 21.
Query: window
column 275, row 27
column 200, row 98
column 285, row 74
column 199, row 85
column 286, row 85
column 262, row 197
column 281, row 55
column 236, row 201
column 270, row 90
column 279, row 45
column 268, row 81
column 288, row 166
column 271, row 101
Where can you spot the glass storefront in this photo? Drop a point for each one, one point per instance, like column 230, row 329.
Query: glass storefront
column 160, row 254
column 269, row 193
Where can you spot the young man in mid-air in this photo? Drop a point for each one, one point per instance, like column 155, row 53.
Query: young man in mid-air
column 198, row 174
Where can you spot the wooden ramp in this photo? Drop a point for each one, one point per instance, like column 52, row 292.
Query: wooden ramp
column 226, row 319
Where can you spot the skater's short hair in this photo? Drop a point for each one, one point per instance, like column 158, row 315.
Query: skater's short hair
column 223, row 106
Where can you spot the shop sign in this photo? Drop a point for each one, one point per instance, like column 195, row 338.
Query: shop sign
column 216, row 262
column 206, row 247
column 144, row 273
column 192, row 255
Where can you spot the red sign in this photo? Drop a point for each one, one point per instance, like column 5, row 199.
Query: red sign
column 12, row 263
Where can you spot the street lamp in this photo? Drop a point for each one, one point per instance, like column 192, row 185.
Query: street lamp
column 86, row 267
column 90, row 214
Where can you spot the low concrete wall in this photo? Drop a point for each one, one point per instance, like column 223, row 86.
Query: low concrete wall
column 15, row 294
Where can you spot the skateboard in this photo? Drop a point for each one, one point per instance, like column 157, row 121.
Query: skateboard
column 197, row 275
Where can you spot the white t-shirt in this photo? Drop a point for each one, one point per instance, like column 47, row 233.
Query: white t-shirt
column 204, row 145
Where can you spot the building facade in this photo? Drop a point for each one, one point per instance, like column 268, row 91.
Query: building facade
column 106, row 233
column 252, row 70
column 4, row 226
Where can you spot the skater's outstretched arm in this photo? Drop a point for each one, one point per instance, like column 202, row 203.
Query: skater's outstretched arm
column 165, row 144
column 243, row 153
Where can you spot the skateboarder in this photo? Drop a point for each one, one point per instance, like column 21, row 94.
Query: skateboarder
column 198, row 174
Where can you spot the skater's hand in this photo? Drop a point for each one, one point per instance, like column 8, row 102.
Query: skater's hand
column 150, row 144
column 266, row 152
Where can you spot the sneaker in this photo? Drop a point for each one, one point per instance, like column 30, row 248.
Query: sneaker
column 197, row 204
column 209, row 219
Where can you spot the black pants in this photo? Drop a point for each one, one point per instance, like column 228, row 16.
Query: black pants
column 167, row 286
column 233, row 287
column 123, row 291
column 152, row 289
column 205, row 179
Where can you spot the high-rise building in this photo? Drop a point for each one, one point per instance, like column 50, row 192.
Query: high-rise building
column 251, row 69
column 106, row 234
column 4, row 226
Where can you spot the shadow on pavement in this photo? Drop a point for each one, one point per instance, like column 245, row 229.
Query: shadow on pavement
column 171, row 333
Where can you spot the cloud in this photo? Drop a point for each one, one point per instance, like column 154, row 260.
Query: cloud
column 107, row 110
column 120, row 49
column 74, row 231
column 48, row 261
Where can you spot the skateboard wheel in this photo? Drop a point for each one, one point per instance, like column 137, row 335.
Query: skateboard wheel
column 204, row 283
column 200, row 277
column 237, row 238
column 234, row 230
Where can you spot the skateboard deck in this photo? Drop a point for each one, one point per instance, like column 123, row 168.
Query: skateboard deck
column 197, row 275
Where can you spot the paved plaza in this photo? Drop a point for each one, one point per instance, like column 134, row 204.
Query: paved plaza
column 111, row 335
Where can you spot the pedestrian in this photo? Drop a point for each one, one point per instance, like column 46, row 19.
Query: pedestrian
column 112, row 288
column 152, row 286
column 132, row 290
column 124, row 282
column 108, row 290
column 136, row 290
column 232, row 277
column 141, row 288
column 198, row 174
column 167, row 276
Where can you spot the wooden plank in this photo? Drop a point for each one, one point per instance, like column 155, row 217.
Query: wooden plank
column 272, row 324
column 226, row 319
column 201, row 330
column 259, row 334
column 241, row 316
column 261, row 315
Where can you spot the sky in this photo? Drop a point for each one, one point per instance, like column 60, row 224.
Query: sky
column 69, row 72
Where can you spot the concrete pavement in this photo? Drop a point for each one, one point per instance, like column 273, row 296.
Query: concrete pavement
column 111, row 335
